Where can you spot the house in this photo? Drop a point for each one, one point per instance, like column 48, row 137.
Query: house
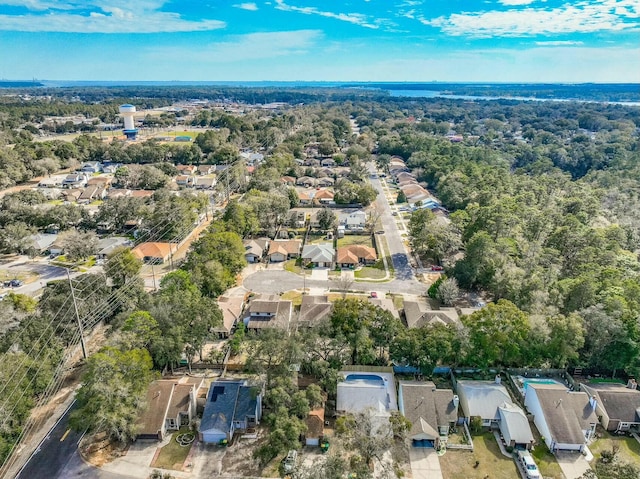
column 103, row 181
column 170, row 404
column 420, row 313
column 306, row 181
column 187, row 170
column 110, row 168
column 386, row 304
column 92, row 193
column 91, row 167
column 141, row 193
column 354, row 222
column 482, row 399
column 297, row 218
column 617, row 406
column 288, row 180
column 204, row 170
column 328, row 162
column 326, row 182
column 183, row 180
column 566, row 419
column 71, row 196
column 318, row 255
column 204, row 183
column 117, row 193
column 231, row 406
column 314, row 309
column 41, row 242
column 108, row 245
column 432, row 412
column 255, row 249
column 368, row 391
column 514, row 427
column 75, row 180
column 315, row 427
column 305, row 198
column 282, row 250
column 153, row 253
column 324, row 197
column 354, row 255
column 268, row 311
column 232, row 308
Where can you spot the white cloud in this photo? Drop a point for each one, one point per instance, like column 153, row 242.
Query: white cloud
column 107, row 16
column 249, row 47
column 581, row 17
column 516, row 2
column 558, row 43
column 252, row 7
column 355, row 18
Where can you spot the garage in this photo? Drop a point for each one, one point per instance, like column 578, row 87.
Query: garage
column 213, row 437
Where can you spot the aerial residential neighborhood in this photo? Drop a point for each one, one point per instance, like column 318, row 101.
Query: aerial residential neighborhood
column 314, row 290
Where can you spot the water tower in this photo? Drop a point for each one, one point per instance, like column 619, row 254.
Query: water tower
column 128, row 111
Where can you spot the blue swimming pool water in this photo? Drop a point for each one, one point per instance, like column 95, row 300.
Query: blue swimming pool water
column 365, row 377
column 525, row 382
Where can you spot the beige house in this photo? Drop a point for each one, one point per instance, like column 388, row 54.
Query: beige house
column 282, row 250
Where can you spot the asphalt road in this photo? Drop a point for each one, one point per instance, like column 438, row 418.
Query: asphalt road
column 57, row 457
column 40, row 266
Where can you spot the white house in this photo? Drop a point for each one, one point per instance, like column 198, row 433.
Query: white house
column 482, row 399
column 566, row 419
column 355, row 221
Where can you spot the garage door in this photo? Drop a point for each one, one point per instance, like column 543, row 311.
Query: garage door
column 213, row 437
column 422, row 443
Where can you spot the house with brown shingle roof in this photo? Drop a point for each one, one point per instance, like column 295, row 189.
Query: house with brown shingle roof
column 617, row 406
column 355, row 254
column 566, row 419
column 268, row 311
column 419, row 313
column 282, row 250
column 324, row 197
column 232, row 308
column 170, row 404
column 153, row 252
column 186, row 169
column 314, row 309
column 315, row 427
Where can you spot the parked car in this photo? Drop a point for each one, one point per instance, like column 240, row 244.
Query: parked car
column 437, row 268
column 15, row 283
column 289, row 463
column 373, row 294
column 528, row 465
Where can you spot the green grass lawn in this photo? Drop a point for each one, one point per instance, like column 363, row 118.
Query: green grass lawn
column 173, row 455
column 354, row 239
column 457, row 464
column 293, row 266
column 398, row 301
column 294, row 296
column 375, row 271
column 318, row 239
column 629, row 448
column 546, row 461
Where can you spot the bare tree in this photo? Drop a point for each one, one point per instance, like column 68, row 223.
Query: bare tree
column 344, row 283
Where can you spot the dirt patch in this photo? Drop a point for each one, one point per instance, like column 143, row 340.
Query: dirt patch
column 239, row 461
column 98, row 450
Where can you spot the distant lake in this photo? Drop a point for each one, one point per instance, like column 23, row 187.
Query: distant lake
column 437, row 94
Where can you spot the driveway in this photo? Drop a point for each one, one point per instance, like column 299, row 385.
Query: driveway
column 425, row 463
column 320, row 274
column 573, row 464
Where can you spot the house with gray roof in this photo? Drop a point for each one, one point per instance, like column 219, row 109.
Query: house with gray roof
column 255, row 249
column 566, row 419
column 431, row 412
column 110, row 244
column 421, row 313
column 514, row 426
column 617, row 406
column 268, row 311
column 232, row 406
column 482, row 399
column 319, row 255
column 314, row 309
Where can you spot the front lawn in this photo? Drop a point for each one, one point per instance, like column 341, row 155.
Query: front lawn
column 173, row 455
column 546, row 461
column 293, row 266
column 458, row 464
column 375, row 271
column 294, row 296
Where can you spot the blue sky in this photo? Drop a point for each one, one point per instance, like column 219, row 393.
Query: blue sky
column 324, row 40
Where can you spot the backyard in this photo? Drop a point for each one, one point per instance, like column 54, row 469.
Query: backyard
column 486, row 460
column 629, row 448
column 348, row 240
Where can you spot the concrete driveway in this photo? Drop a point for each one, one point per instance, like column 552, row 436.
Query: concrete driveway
column 573, row 464
column 425, row 463
column 320, row 274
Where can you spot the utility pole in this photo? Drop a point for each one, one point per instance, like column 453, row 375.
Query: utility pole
column 75, row 307
column 153, row 272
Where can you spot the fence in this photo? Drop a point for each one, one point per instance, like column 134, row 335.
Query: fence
column 467, row 436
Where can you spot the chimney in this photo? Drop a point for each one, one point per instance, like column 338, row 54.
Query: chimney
column 593, row 402
column 456, row 400
column 498, row 379
column 632, row 384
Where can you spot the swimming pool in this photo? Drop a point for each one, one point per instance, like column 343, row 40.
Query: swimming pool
column 365, row 377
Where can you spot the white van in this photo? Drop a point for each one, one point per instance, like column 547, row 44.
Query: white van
column 528, row 465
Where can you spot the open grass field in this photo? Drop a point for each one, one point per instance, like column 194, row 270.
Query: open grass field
column 457, row 464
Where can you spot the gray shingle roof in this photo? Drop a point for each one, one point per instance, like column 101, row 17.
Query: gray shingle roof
column 426, row 407
column 226, row 401
column 514, row 425
column 567, row 413
column 620, row 402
